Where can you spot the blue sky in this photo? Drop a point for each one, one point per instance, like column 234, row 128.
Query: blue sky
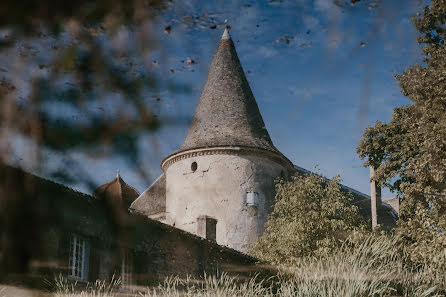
column 310, row 90
column 320, row 74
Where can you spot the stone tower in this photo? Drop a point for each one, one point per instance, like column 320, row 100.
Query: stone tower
column 225, row 170
column 220, row 183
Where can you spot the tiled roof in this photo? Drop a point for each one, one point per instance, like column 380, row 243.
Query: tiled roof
column 117, row 189
column 153, row 200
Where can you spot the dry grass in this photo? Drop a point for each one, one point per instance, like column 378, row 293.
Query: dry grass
column 66, row 288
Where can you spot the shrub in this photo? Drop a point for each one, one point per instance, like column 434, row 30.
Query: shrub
column 310, row 217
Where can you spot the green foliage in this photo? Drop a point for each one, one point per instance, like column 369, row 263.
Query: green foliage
column 310, row 217
column 409, row 152
column 424, row 238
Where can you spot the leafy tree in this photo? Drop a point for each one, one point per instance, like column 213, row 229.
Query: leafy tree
column 409, row 152
column 311, row 215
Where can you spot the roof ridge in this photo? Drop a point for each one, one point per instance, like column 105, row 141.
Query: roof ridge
column 47, row 180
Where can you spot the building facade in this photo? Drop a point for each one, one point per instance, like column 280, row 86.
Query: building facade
column 48, row 229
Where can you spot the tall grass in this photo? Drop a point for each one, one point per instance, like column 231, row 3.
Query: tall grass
column 65, row 288
column 376, row 266
column 223, row 286
column 371, row 266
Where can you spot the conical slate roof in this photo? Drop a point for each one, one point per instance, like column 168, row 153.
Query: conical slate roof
column 227, row 113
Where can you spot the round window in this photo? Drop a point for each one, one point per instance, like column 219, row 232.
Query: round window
column 194, row 166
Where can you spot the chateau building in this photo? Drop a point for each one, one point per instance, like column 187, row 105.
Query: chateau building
column 223, row 175
column 222, row 178
column 209, row 205
column 48, row 229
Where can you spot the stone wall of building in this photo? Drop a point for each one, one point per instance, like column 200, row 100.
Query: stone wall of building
column 218, row 188
column 154, row 249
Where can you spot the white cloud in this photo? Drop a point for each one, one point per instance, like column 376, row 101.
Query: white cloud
column 329, row 10
column 267, row 52
column 323, row 5
column 310, row 21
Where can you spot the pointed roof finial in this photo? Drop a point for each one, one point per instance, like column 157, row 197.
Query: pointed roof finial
column 226, row 33
column 117, row 173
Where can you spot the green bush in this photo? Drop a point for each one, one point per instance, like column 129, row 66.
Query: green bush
column 311, row 216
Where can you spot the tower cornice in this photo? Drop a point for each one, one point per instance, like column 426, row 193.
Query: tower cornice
column 227, row 150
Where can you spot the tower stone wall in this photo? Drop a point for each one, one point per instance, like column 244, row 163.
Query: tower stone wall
column 227, row 154
column 217, row 188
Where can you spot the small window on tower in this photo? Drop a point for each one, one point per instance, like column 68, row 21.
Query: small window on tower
column 194, row 166
column 252, row 198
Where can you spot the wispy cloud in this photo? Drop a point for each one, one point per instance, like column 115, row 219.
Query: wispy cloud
column 267, row 52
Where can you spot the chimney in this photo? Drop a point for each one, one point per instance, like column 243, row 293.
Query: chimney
column 207, row 227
